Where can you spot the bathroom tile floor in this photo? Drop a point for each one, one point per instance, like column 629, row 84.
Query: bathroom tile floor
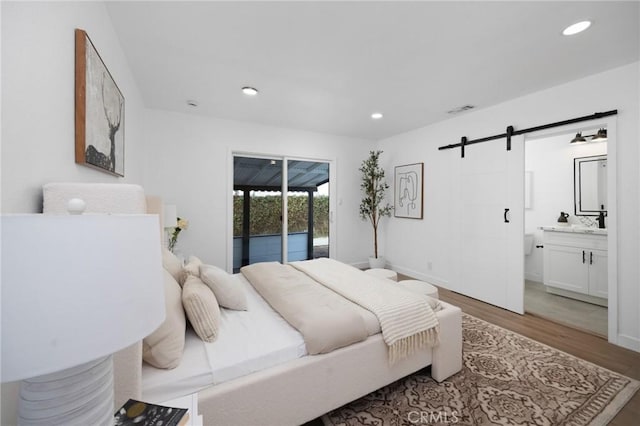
column 575, row 313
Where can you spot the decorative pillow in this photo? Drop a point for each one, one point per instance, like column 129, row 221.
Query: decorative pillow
column 163, row 348
column 201, row 307
column 224, row 286
column 174, row 265
column 193, row 266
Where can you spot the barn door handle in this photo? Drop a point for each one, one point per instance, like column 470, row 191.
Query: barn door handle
column 505, row 215
column 591, row 258
column 582, row 256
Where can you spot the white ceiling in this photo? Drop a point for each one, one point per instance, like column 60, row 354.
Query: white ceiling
column 326, row 66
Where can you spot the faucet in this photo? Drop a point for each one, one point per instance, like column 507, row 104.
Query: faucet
column 601, row 219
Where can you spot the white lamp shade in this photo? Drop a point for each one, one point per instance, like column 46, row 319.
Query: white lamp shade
column 76, row 288
column 170, row 216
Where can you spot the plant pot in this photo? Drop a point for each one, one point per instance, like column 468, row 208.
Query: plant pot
column 377, row 262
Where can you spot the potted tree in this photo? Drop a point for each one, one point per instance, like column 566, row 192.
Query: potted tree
column 373, row 206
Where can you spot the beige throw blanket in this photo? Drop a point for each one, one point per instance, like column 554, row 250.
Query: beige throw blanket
column 325, row 319
column 407, row 322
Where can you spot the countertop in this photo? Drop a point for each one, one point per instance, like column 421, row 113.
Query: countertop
column 575, row 229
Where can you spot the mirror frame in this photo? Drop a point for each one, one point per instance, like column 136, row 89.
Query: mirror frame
column 577, row 195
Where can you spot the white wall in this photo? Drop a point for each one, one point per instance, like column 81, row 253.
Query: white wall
column 550, row 161
column 38, row 57
column 412, row 245
column 189, row 165
column 37, row 146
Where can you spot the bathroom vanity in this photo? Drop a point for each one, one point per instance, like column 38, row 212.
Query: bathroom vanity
column 575, row 263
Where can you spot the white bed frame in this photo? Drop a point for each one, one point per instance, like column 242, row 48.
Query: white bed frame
column 306, row 388
column 291, row 393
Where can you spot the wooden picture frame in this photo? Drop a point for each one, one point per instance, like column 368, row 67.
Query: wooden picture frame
column 100, row 113
column 408, row 189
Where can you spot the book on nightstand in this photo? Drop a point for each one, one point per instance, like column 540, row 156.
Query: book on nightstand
column 138, row 413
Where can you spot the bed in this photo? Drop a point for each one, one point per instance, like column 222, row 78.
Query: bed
column 283, row 385
column 302, row 389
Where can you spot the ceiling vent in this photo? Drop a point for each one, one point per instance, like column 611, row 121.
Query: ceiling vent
column 460, row 109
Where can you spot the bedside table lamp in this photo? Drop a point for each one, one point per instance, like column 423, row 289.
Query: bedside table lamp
column 75, row 289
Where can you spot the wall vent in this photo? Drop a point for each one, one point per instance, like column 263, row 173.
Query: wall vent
column 460, row 109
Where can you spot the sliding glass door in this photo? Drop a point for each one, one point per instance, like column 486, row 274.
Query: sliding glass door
column 307, row 210
column 258, row 205
column 257, row 211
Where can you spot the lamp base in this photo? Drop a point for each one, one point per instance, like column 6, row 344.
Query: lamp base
column 81, row 395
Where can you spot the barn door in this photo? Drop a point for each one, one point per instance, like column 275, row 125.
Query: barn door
column 487, row 223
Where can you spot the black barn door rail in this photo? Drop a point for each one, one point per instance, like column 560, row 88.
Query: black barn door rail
column 511, row 132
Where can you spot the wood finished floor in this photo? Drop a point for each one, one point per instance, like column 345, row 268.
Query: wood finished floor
column 576, row 342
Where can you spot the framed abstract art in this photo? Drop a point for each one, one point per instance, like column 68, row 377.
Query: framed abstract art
column 408, row 191
column 99, row 111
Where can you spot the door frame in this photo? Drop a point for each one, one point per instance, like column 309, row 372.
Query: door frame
column 610, row 123
column 284, row 189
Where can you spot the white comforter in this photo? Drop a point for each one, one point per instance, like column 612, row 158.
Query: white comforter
column 407, row 322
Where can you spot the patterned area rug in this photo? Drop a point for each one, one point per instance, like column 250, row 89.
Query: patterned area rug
column 506, row 379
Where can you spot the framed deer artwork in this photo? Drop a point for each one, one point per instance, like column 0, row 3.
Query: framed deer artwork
column 99, row 111
column 408, row 190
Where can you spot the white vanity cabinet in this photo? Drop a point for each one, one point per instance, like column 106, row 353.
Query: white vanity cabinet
column 575, row 263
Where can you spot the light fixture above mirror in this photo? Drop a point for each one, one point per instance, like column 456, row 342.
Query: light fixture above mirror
column 600, row 136
column 579, row 138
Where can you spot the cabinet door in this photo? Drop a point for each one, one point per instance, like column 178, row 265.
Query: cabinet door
column 566, row 268
column 598, row 279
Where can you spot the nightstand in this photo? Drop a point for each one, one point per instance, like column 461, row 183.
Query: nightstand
column 191, row 403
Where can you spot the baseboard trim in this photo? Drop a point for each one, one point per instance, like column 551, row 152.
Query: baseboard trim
column 420, row 276
column 629, row 342
column 533, row 277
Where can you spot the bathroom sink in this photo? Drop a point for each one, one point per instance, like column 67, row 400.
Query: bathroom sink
column 578, row 229
column 588, row 229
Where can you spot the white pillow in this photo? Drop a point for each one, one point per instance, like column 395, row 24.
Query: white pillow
column 201, row 308
column 174, row 265
column 228, row 293
column 163, row 348
column 193, row 266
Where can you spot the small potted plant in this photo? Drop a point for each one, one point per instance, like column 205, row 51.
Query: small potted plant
column 173, row 235
column 373, row 206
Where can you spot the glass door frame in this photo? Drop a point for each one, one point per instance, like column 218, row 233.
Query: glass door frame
column 284, row 190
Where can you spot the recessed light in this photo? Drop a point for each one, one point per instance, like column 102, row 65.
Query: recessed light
column 576, row 28
column 249, row 91
column 376, row 115
column 192, row 103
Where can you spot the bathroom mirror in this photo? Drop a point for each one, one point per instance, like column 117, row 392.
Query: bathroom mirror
column 590, row 185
